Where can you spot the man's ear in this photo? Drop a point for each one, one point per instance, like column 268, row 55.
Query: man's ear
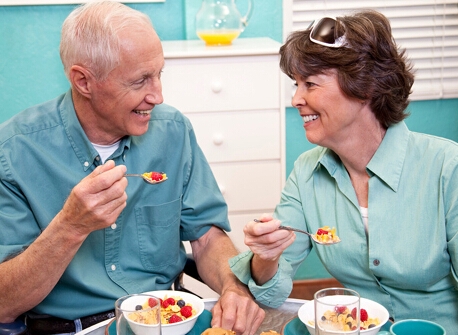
column 81, row 80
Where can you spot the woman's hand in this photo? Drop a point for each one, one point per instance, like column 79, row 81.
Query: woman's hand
column 267, row 243
column 265, row 239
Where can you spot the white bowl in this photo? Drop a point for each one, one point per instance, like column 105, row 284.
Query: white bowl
column 138, row 328
column 307, row 313
column 182, row 327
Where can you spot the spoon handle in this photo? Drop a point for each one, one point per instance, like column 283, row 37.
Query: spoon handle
column 295, row 229
column 313, row 237
column 133, row 175
column 289, row 228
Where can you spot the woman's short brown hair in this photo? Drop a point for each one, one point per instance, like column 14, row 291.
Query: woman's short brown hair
column 370, row 67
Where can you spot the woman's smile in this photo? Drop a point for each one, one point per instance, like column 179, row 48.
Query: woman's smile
column 309, row 118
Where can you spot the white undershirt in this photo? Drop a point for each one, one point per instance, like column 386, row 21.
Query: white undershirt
column 364, row 215
column 105, row 151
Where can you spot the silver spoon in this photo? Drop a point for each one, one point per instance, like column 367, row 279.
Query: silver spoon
column 304, row 232
column 145, row 178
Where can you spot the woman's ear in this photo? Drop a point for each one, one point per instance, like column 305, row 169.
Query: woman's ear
column 81, row 80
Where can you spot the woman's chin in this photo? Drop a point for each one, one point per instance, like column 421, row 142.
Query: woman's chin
column 311, row 138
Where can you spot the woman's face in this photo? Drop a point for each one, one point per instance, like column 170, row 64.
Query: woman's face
column 331, row 118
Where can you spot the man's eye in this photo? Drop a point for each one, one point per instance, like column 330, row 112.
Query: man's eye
column 139, row 82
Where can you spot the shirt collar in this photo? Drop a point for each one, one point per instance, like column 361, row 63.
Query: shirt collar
column 387, row 162
column 83, row 148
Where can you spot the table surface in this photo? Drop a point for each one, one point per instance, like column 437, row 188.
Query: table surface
column 275, row 318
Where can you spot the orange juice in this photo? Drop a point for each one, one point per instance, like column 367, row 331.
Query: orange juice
column 218, row 37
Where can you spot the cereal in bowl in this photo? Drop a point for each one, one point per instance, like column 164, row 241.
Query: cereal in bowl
column 175, row 309
column 144, row 314
column 342, row 319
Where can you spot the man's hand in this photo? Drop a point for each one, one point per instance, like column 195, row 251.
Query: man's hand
column 96, row 202
column 236, row 310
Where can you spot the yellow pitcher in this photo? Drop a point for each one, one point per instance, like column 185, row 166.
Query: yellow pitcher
column 218, row 22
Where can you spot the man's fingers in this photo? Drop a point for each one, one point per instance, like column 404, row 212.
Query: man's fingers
column 216, row 315
column 108, row 165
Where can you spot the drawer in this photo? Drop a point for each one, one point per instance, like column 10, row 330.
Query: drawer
column 222, row 83
column 249, row 186
column 238, row 136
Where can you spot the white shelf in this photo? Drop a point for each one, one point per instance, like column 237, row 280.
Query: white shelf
column 239, row 47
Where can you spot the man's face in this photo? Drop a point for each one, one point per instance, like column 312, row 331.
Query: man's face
column 123, row 102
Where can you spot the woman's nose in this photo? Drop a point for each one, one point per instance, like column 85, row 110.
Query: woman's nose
column 297, row 100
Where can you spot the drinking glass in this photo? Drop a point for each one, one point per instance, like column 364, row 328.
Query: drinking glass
column 336, row 311
column 138, row 314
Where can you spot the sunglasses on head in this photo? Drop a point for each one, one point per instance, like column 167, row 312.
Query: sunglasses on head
column 323, row 32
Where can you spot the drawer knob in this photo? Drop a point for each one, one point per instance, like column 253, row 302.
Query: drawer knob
column 218, row 139
column 217, row 86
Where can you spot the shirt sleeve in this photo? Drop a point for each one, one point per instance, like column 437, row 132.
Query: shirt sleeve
column 18, row 226
column 275, row 291
column 451, row 210
column 203, row 205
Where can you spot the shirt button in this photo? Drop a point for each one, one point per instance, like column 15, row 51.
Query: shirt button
column 86, row 164
column 113, row 226
column 97, row 158
column 113, row 267
column 376, row 262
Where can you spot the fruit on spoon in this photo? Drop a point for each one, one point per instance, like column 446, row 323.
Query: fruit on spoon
column 150, row 177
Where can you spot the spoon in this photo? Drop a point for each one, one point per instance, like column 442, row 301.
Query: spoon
column 313, row 236
column 147, row 179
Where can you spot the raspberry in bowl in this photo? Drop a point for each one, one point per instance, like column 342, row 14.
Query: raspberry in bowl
column 373, row 316
column 179, row 311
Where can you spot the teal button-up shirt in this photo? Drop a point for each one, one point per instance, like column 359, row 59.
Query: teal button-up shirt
column 44, row 153
column 408, row 261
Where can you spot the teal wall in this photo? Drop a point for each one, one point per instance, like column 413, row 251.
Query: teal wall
column 31, row 71
column 30, row 68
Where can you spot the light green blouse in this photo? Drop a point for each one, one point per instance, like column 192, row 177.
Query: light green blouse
column 409, row 261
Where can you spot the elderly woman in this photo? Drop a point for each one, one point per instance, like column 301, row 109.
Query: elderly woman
column 392, row 194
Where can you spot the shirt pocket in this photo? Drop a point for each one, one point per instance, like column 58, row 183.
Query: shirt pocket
column 158, row 229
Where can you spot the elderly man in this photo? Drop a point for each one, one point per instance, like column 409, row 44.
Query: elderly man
column 74, row 234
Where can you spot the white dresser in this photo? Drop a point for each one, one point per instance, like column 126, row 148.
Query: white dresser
column 233, row 96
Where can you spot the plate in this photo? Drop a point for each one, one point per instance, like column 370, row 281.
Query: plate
column 203, row 322
column 294, row 327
